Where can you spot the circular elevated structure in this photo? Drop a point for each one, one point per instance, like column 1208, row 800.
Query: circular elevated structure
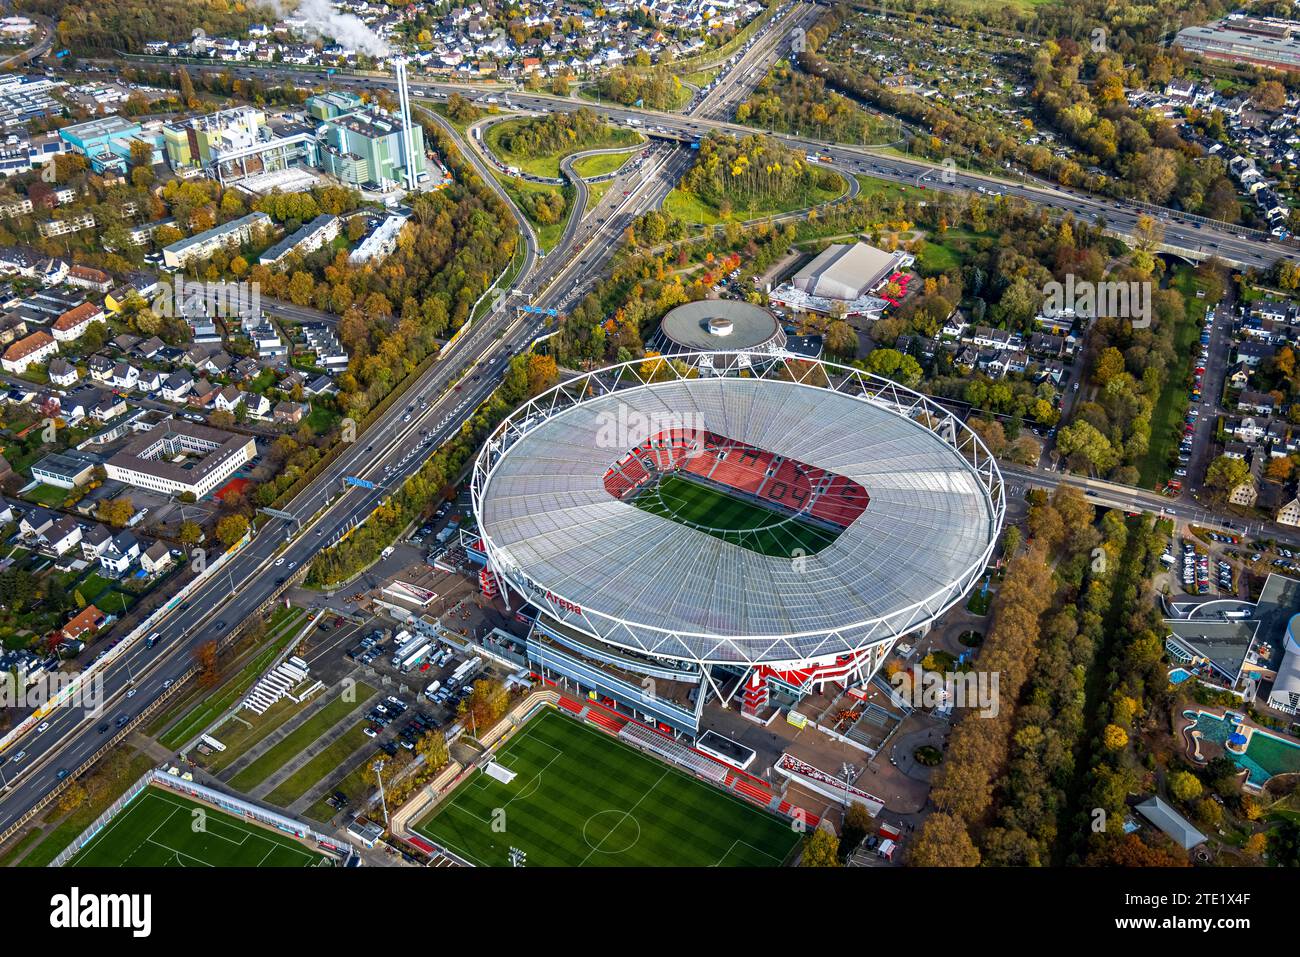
column 776, row 513
column 719, row 324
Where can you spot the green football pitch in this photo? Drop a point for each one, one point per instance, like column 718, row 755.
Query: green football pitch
column 158, row 829
column 581, row 799
column 762, row 530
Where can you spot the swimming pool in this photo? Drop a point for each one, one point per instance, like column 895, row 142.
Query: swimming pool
column 1179, row 675
column 1266, row 754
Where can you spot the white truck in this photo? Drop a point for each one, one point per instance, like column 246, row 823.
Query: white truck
column 410, row 653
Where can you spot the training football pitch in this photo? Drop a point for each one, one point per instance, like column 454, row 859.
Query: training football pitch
column 763, row 530
column 158, row 829
column 581, row 799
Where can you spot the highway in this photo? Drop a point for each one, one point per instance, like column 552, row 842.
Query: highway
column 1236, row 246
column 431, row 410
column 433, row 407
column 736, row 81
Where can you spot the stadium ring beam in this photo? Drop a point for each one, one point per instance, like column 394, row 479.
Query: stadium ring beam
column 654, row 586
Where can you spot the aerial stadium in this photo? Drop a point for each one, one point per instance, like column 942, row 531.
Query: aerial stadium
column 754, row 533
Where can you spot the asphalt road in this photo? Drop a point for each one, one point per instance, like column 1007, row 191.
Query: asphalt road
column 431, row 411
column 1232, row 245
column 433, row 408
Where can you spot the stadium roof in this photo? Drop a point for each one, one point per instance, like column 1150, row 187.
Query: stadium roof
column 845, row 272
column 720, row 324
column 655, row 585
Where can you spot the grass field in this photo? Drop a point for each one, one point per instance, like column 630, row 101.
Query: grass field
column 1156, row 466
column 548, row 164
column 201, row 706
column 158, row 829
column 599, row 164
column 732, row 519
column 297, row 740
column 319, row 767
column 690, row 208
column 581, row 799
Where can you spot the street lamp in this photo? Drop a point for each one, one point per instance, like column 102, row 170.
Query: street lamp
column 383, row 801
column 849, row 772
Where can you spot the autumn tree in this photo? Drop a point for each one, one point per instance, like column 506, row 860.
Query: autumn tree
column 205, row 659
column 943, row 841
column 821, row 849
column 115, row 511
column 231, row 528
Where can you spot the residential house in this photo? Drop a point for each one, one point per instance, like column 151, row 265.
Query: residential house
column 72, row 325
column 156, row 558
column 32, row 350
column 289, row 413
column 62, row 372
column 89, row 620
column 1289, row 514
column 121, row 553
column 1260, row 403
column 177, row 385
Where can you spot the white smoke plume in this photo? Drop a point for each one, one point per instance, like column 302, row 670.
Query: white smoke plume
column 346, row 28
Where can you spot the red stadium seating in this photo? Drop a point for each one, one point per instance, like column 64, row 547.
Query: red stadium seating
column 604, row 720
column 745, row 468
column 752, row 791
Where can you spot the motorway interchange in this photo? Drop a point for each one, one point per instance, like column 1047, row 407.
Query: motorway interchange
column 434, row 406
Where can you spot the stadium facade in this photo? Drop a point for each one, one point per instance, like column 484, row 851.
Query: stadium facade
column 751, row 534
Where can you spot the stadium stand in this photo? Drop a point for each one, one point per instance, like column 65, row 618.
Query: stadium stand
column 647, row 739
column 742, row 468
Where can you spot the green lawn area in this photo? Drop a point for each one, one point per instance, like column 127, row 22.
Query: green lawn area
column 938, row 257
column 548, row 235
column 691, row 208
column 245, row 729
column 887, row 190
column 681, row 97
column 1154, row 469
column 548, row 164
column 93, row 585
column 115, row 602
column 355, row 785
column 55, row 840
column 157, row 829
column 298, row 739
column 19, row 848
column 580, row 798
column 596, row 192
column 700, row 77
column 319, row 767
column 201, row 707
column 321, row 418
column 600, row 164
column 51, row 496
column 762, row 530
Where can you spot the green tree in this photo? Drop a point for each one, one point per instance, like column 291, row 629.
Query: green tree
column 1184, row 786
column 1226, row 473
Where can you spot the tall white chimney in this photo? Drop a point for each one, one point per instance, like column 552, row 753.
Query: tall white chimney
column 408, row 136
